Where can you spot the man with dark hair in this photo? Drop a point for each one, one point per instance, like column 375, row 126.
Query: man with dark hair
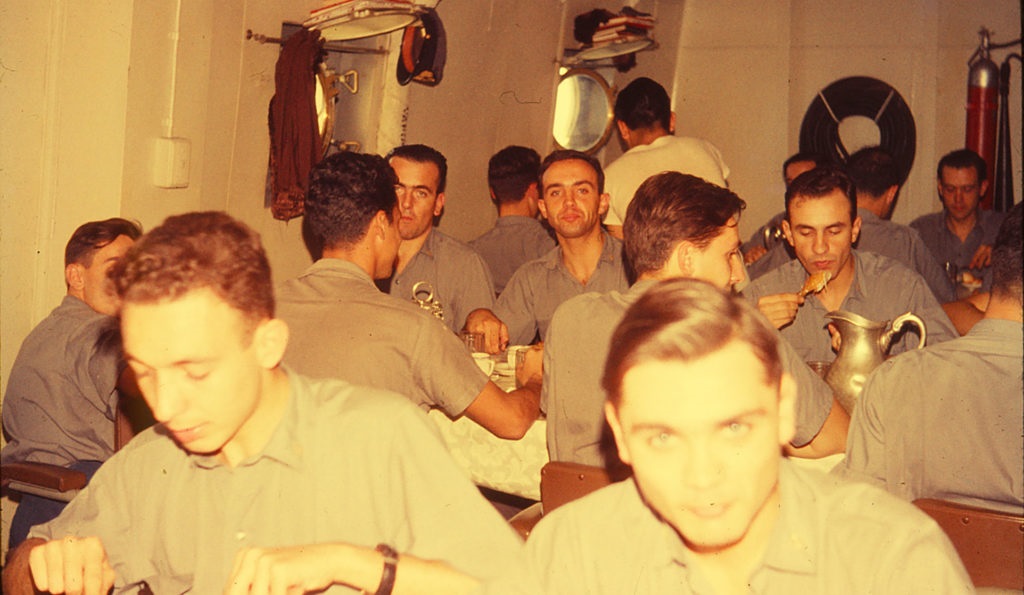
column 586, row 259
column 960, row 236
column 61, row 398
column 517, row 236
column 342, row 326
column 431, row 265
column 256, row 479
column 647, row 125
column 822, row 225
column 677, row 226
column 700, row 406
column 946, row 421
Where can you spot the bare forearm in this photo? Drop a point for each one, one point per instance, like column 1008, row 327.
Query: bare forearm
column 17, row 578
column 830, row 439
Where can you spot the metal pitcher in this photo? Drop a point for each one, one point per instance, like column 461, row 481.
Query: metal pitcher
column 864, row 345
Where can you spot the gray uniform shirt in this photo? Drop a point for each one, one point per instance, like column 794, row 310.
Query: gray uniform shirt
column 342, row 326
column 880, row 236
column 946, row 247
column 574, row 357
column 540, row 286
column 61, row 396
column 512, row 242
column 882, row 289
column 946, row 421
column 345, row 464
column 830, row 537
column 458, row 275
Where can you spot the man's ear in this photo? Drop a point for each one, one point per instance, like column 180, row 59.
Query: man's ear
column 543, row 207
column 381, row 225
column 623, row 131
column 74, row 276
column 855, row 232
column 270, row 340
column 787, row 231
column 612, row 416
column 439, row 204
column 683, row 255
column 602, row 204
column 787, row 408
column 672, row 123
column 982, row 187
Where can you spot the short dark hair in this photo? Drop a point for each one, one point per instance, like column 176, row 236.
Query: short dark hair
column 346, row 190
column 202, row 250
column 643, row 103
column 671, row 207
column 510, row 172
column 816, row 158
column 424, row 154
column 963, row 159
column 822, row 181
column 684, row 320
column 566, row 155
column 91, row 237
column 873, row 171
column 1007, row 262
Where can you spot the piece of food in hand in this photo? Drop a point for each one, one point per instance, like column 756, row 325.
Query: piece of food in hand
column 815, row 283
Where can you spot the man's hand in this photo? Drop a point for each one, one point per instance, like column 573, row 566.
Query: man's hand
column 754, row 254
column 495, row 332
column 286, row 570
column 532, row 370
column 780, row 309
column 71, row 565
column 982, row 257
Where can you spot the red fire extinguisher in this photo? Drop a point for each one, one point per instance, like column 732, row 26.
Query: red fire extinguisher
column 982, row 97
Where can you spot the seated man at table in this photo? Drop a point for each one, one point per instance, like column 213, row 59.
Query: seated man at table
column 946, row 421
column 256, row 479
column 458, row 279
column 960, row 236
column 586, row 259
column 677, row 225
column 61, row 397
column 822, row 225
column 342, row 326
column 517, row 236
column 700, row 407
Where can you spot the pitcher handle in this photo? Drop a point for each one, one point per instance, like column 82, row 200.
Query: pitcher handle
column 897, row 324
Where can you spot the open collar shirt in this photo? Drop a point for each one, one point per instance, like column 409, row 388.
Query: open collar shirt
column 512, row 242
column 345, row 464
column 882, row 290
column 831, row 536
column 947, row 247
column 458, row 275
column 540, row 286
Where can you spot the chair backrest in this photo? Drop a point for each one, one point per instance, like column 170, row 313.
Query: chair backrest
column 562, row 482
column 990, row 543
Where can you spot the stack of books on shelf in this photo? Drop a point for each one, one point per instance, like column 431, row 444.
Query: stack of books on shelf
column 623, row 28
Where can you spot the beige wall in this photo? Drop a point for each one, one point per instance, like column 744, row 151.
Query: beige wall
column 86, row 88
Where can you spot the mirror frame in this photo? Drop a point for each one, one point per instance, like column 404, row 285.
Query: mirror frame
column 609, row 94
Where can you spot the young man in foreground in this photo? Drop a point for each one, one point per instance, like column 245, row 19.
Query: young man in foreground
column 700, row 408
column 255, row 480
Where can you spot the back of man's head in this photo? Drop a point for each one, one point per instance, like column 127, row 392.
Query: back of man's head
column 669, row 208
column 567, row 155
column 820, row 182
column 346, row 190
column 1007, row 262
column 643, row 104
column 424, row 154
column 510, row 172
column 873, row 171
column 92, row 236
column 195, row 251
column 684, row 320
column 963, row 159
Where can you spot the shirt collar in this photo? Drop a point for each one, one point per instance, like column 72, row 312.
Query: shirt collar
column 337, row 267
column 610, row 252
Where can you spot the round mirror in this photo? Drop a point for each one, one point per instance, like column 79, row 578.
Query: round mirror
column 583, row 111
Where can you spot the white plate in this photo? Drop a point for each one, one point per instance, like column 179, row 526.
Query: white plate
column 503, row 369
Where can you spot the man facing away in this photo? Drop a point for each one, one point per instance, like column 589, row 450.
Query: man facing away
column 455, row 275
column 256, row 479
column 517, row 236
column 960, row 236
column 647, row 125
column 946, row 421
column 677, row 226
column 342, row 326
column 822, row 225
column 700, row 407
column 586, row 259
column 61, row 397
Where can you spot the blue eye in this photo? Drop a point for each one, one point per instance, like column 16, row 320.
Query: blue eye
column 737, row 428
